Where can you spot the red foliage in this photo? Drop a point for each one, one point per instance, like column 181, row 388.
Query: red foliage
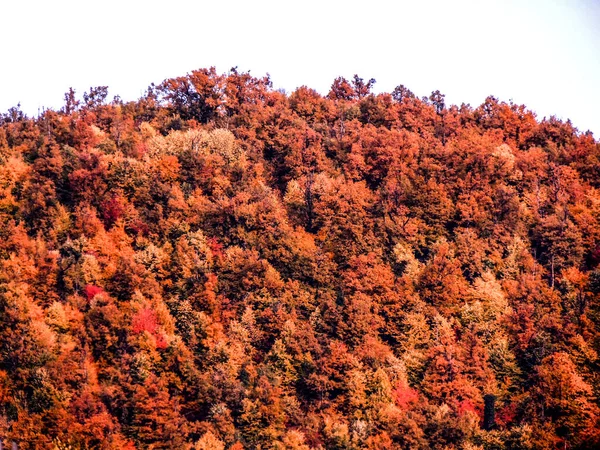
column 144, row 320
column 405, row 396
column 506, row 415
column 91, row 291
column 112, row 210
column 216, row 247
column 467, row 406
column 161, row 342
column 138, row 227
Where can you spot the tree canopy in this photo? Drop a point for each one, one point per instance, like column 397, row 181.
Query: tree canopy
column 222, row 265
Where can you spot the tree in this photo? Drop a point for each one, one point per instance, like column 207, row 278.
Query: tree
column 437, row 99
column 95, row 97
column 362, row 89
column 341, row 89
column 71, row 102
column 566, row 400
column 402, row 93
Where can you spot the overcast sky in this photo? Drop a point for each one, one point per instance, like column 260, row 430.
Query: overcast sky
column 543, row 53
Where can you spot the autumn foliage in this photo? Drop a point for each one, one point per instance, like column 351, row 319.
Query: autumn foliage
column 221, row 265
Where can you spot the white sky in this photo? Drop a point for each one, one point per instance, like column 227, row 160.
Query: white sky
column 543, row 53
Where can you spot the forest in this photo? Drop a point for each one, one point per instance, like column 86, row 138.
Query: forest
column 221, row 265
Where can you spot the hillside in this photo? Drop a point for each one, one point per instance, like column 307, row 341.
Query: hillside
column 221, row 265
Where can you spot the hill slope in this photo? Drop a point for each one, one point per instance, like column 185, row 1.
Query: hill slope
column 223, row 265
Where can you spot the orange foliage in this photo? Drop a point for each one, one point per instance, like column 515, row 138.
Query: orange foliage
column 222, row 265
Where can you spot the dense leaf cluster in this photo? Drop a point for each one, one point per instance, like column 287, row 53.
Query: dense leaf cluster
column 221, row 265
